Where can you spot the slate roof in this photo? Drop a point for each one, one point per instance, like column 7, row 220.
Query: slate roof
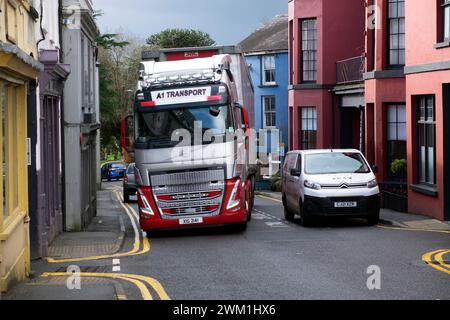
column 272, row 36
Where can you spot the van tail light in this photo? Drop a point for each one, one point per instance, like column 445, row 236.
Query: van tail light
column 125, row 179
column 145, row 202
column 233, row 195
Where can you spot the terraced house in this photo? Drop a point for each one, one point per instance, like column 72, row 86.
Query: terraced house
column 18, row 72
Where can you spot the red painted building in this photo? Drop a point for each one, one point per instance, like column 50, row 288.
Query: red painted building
column 326, row 88
column 375, row 75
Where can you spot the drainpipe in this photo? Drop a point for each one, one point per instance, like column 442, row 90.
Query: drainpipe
column 63, row 140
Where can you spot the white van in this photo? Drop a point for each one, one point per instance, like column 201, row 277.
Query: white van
column 329, row 183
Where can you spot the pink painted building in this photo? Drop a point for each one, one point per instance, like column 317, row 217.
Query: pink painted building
column 427, row 73
column 407, row 101
column 326, row 45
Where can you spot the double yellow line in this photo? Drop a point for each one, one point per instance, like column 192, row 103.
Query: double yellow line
column 435, row 259
column 138, row 280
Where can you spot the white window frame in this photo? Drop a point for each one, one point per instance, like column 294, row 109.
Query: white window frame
column 264, row 111
column 271, row 68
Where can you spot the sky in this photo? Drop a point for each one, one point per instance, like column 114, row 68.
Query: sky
column 227, row 21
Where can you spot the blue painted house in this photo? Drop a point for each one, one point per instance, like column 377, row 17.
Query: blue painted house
column 266, row 51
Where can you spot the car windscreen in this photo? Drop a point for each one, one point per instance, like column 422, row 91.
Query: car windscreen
column 161, row 129
column 335, row 162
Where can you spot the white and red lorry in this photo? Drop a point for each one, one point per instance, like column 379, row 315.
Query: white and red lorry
column 191, row 125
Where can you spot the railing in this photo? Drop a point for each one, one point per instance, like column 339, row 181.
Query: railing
column 350, row 70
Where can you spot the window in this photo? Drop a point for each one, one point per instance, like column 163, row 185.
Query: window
column 9, row 149
column 396, row 20
column 269, row 70
column 4, row 109
column 426, row 130
column 446, row 20
column 308, row 128
column 396, row 137
column 309, row 50
column 269, row 107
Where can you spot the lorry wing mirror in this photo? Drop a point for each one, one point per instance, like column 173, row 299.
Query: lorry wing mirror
column 127, row 134
column 375, row 169
column 246, row 119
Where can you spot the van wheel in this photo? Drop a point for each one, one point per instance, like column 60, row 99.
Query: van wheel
column 373, row 218
column 305, row 220
column 288, row 215
column 126, row 198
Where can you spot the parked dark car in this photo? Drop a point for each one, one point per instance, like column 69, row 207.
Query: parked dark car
column 129, row 184
column 113, row 170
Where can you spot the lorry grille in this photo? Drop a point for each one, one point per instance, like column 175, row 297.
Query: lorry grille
column 183, row 194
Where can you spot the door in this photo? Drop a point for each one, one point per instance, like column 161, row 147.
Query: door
column 292, row 183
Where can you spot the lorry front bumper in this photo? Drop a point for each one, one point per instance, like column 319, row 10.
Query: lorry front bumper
column 155, row 222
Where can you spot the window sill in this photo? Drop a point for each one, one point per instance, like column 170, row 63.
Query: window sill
column 268, row 85
column 424, row 189
column 443, row 44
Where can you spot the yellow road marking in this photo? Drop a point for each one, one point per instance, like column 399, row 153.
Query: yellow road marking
column 145, row 293
column 413, row 229
column 276, row 200
column 155, row 284
column 435, row 260
column 134, row 252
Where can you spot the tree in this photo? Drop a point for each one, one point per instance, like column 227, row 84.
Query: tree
column 180, row 38
column 119, row 58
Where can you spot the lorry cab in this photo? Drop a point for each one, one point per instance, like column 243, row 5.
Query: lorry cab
column 329, row 183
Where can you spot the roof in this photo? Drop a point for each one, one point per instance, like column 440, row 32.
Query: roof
column 272, row 36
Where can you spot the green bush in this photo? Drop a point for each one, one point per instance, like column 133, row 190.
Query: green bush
column 399, row 166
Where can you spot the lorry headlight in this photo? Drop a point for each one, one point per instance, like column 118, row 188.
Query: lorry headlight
column 372, row 184
column 234, row 199
column 312, row 185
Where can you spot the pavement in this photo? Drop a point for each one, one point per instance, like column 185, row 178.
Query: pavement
column 105, row 236
column 273, row 260
column 391, row 218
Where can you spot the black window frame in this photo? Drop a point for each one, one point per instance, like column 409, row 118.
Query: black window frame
column 390, row 144
column 425, row 122
column 308, row 140
column 391, row 34
column 308, row 51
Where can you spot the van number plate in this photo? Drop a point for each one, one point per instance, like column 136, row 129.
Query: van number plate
column 348, row 204
column 187, row 221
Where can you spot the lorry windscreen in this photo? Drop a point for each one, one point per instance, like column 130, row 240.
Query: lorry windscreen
column 162, row 129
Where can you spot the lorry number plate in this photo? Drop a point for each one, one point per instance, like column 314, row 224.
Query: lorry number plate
column 191, row 221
